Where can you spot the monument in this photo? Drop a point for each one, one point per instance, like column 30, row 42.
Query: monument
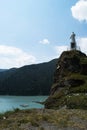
column 73, row 41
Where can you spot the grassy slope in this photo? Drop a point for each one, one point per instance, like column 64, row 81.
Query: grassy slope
column 44, row 119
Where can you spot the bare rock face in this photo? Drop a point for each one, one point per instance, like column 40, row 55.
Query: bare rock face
column 70, row 80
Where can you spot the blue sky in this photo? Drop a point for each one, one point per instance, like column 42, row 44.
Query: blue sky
column 35, row 31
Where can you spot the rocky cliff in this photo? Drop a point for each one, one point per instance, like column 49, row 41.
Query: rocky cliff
column 69, row 88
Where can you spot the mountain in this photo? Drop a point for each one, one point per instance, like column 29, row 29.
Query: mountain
column 69, row 87
column 28, row 80
column 2, row 70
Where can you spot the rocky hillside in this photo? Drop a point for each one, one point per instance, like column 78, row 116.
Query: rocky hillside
column 70, row 82
column 28, row 80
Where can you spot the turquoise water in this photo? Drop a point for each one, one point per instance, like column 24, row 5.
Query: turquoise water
column 11, row 102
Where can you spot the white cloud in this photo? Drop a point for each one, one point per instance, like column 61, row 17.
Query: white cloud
column 44, row 41
column 60, row 49
column 14, row 57
column 82, row 42
column 79, row 10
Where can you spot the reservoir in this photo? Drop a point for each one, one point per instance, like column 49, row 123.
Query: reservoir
column 22, row 102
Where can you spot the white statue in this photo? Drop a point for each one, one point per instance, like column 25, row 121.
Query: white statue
column 72, row 37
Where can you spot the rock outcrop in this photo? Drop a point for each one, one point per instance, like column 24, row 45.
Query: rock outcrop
column 69, row 88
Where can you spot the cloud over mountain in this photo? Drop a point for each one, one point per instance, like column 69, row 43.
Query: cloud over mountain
column 60, row 49
column 14, row 57
column 82, row 42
